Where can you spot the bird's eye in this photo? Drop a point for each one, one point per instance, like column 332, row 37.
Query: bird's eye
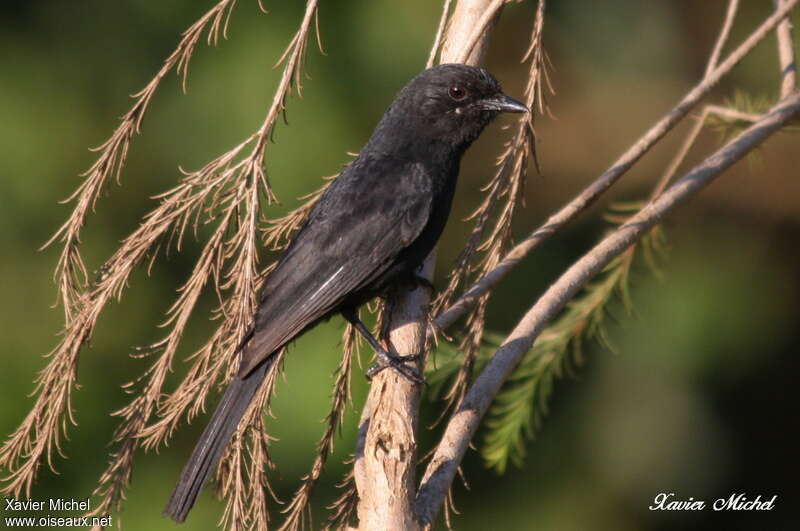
column 457, row 93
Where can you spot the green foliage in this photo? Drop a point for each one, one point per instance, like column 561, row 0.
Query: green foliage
column 728, row 127
column 520, row 407
column 447, row 360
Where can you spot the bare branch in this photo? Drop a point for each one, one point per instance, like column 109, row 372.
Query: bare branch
column 228, row 190
column 786, row 58
column 479, row 31
column 437, row 41
column 727, row 24
column 386, row 453
column 787, row 72
column 717, row 110
column 587, row 197
column 462, row 426
column 385, row 459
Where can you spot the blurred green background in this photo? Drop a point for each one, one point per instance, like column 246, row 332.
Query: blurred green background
column 701, row 399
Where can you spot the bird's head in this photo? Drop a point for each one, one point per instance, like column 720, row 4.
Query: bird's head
column 453, row 103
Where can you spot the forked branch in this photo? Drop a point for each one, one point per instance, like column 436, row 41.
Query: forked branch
column 590, row 194
column 462, row 426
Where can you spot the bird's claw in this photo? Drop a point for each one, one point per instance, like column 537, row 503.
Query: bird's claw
column 398, row 363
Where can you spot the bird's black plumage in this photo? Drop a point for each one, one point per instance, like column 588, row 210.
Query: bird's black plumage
column 374, row 225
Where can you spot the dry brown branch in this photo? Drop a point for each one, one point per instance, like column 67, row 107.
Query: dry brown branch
column 204, row 373
column 459, row 431
column 242, row 278
column 298, row 506
column 229, row 191
column 241, row 475
column 70, row 275
column 344, row 508
column 437, row 41
column 587, row 197
column 39, row 434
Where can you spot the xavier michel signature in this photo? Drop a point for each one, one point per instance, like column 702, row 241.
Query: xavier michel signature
column 735, row 502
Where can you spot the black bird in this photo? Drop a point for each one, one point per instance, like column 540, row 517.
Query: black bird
column 371, row 229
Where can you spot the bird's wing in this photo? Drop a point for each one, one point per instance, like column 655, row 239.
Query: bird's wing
column 356, row 232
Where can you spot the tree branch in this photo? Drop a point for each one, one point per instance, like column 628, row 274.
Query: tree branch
column 787, row 74
column 386, row 452
column 437, row 41
column 786, row 58
column 586, row 198
column 725, row 113
column 461, row 428
column 730, row 15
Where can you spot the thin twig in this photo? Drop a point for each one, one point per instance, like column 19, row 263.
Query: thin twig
column 229, row 190
column 787, row 73
column 727, row 24
column 70, row 275
column 462, row 426
column 344, row 507
column 587, row 197
column 437, row 41
column 786, row 57
column 717, row 110
column 299, row 505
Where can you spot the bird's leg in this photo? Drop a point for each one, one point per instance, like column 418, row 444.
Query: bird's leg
column 384, row 358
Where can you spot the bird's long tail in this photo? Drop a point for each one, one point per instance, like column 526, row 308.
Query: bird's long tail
column 214, row 439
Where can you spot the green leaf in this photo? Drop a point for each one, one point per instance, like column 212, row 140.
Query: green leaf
column 522, row 404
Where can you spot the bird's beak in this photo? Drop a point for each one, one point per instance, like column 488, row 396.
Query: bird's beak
column 502, row 103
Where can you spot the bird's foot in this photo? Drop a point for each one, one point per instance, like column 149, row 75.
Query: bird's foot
column 398, row 363
column 384, row 358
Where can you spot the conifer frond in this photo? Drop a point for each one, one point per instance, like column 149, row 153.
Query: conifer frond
column 343, row 509
column 228, row 192
column 71, row 275
column 241, row 477
column 39, row 434
column 278, row 231
column 520, row 407
column 745, row 108
column 298, row 506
